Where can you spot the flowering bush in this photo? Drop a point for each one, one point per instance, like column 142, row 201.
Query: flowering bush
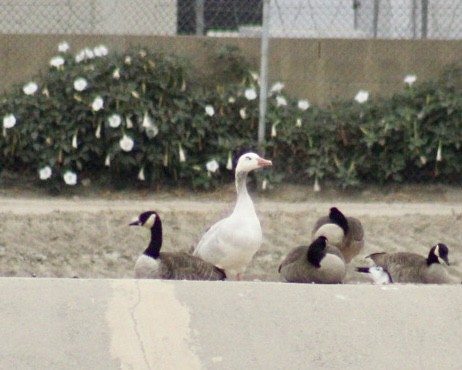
column 140, row 116
column 130, row 116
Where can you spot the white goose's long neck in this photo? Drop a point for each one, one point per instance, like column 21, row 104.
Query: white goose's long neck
column 243, row 198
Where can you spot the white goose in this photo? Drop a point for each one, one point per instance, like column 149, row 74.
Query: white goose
column 232, row 242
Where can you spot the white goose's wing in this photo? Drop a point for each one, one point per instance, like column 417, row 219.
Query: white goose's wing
column 230, row 243
column 209, row 239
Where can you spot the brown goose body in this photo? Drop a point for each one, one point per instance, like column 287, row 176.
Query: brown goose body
column 176, row 266
column 296, row 268
column 153, row 264
column 406, row 267
column 345, row 233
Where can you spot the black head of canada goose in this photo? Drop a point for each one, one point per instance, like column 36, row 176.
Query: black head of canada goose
column 154, row 264
column 377, row 273
column 406, row 267
column 345, row 233
column 317, row 263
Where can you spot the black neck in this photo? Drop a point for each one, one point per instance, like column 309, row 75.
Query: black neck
column 339, row 219
column 315, row 256
column 153, row 249
column 432, row 257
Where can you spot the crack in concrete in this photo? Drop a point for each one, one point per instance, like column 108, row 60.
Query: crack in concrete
column 136, row 324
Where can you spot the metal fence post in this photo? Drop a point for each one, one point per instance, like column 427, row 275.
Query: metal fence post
column 199, row 10
column 264, row 71
column 424, row 19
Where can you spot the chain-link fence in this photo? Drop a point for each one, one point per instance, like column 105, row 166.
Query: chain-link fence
column 404, row 19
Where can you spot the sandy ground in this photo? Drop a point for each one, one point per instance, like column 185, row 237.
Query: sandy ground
column 88, row 236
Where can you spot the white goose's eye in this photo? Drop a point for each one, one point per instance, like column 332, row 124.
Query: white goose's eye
column 248, row 158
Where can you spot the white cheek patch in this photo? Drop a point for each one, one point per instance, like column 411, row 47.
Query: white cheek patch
column 332, row 232
column 150, row 221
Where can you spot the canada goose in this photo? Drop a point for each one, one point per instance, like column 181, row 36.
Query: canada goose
column 377, row 273
column 232, row 242
column 406, row 267
column 316, row 263
column 345, row 233
column 153, row 264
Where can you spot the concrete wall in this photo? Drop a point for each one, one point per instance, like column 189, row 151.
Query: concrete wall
column 132, row 324
column 317, row 69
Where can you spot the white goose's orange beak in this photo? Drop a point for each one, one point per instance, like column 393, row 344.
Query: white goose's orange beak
column 264, row 162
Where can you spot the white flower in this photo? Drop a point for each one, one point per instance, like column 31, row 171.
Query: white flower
column 410, row 79
column 229, row 164
column 151, row 128
column 74, row 140
column 57, row 61
column 114, row 120
column 126, row 143
column 45, row 173
column 362, row 96
column 254, row 75
column 303, row 104
column 80, row 56
column 273, row 129
column 100, row 51
column 147, row 120
column 231, row 100
column 135, row 94
column 152, row 131
column 30, row 88
column 9, row 121
column 209, row 110
column 439, row 152
column 141, row 174
column 116, row 74
column 80, row 84
column 70, row 178
column 250, row 94
column 128, row 122
column 63, row 47
column 107, row 161
column 423, row 159
column 277, row 87
column 98, row 131
column 281, row 101
column 128, row 60
column 298, row 123
column 316, row 186
column 243, row 113
column 89, row 54
column 142, row 53
column 165, row 160
column 264, row 184
column 181, row 153
column 212, row 165
column 97, row 104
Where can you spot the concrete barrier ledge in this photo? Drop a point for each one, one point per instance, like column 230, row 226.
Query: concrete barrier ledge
column 149, row 324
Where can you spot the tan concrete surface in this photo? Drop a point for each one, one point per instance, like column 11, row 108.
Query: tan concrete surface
column 41, row 206
column 321, row 70
column 132, row 324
